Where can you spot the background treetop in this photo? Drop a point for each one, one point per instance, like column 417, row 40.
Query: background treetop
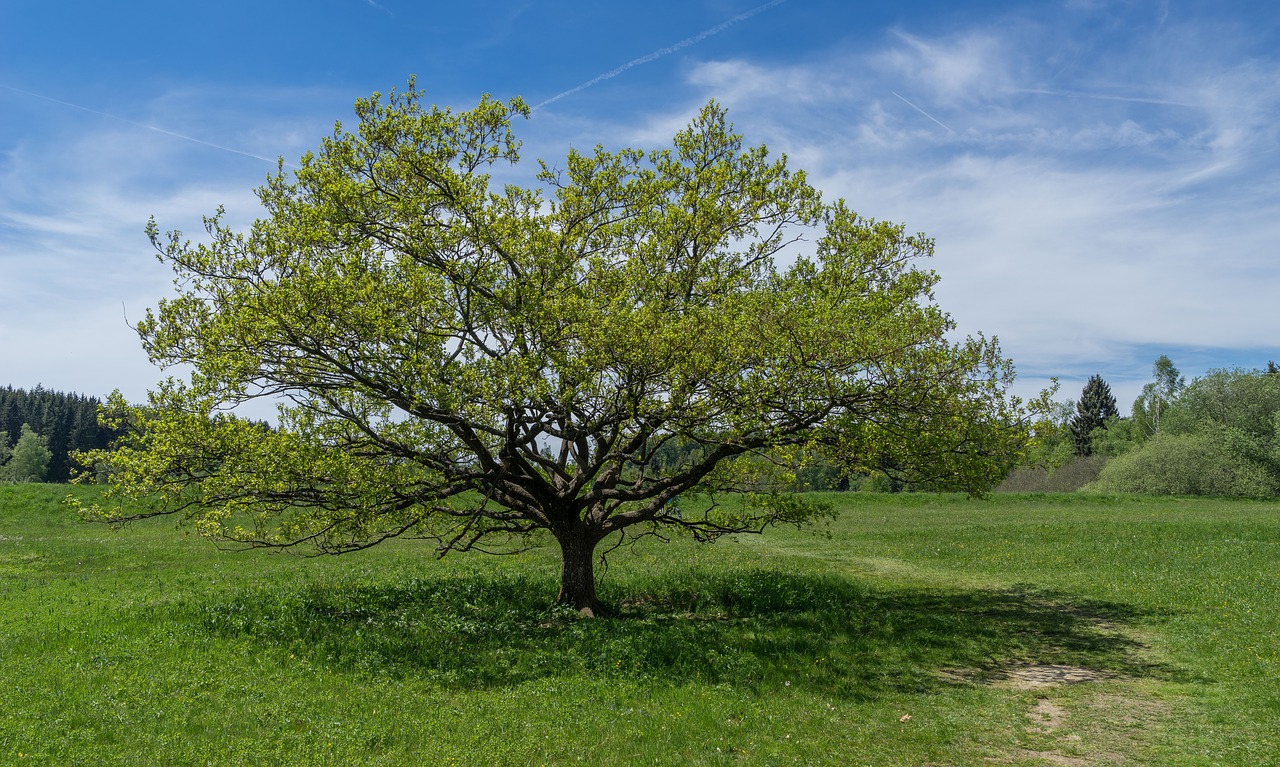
column 1096, row 407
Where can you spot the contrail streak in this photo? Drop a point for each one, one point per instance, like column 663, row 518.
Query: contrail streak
column 926, row 114
column 144, row 125
column 685, row 43
column 1104, row 97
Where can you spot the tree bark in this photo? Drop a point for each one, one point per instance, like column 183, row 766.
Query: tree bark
column 577, row 572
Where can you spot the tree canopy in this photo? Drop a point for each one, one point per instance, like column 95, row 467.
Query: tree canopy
column 471, row 364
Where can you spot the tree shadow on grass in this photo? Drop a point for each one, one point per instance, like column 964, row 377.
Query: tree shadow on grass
column 749, row 627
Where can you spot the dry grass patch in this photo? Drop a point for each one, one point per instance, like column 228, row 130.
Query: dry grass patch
column 1109, row 722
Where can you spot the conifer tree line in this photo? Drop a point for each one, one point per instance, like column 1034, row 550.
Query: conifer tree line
column 64, row 422
column 1228, row 427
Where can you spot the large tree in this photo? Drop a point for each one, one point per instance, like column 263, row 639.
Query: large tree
column 465, row 363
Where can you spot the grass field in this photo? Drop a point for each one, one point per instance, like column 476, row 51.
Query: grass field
column 915, row 630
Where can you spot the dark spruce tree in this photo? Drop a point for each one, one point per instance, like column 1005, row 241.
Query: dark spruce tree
column 1095, row 407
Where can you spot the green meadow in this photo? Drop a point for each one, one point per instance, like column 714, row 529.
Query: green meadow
column 913, row 630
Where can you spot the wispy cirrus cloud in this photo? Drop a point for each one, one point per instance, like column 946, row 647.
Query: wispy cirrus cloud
column 959, row 69
column 1085, row 222
column 73, row 207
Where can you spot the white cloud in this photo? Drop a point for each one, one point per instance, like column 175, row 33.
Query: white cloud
column 964, row 68
column 1084, row 225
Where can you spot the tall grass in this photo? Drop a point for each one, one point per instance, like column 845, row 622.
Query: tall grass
column 150, row 646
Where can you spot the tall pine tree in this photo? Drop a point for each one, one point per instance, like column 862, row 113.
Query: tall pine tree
column 1095, row 407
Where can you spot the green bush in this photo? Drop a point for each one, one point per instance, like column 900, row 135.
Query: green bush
column 878, row 483
column 1186, row 464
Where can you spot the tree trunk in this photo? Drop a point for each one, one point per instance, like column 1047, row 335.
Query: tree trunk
column 577, row 573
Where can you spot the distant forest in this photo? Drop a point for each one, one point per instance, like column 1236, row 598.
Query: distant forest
column 67, row 422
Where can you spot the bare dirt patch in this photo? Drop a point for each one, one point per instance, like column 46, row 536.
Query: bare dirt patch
column 1027, row 676
column 1033, row 676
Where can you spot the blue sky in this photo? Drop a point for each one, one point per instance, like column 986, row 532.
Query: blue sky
column 1102, row 177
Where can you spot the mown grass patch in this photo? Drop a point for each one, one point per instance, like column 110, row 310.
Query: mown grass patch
column 148, row 645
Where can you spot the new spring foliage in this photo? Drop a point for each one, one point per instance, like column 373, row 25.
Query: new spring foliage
column 463, row 361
